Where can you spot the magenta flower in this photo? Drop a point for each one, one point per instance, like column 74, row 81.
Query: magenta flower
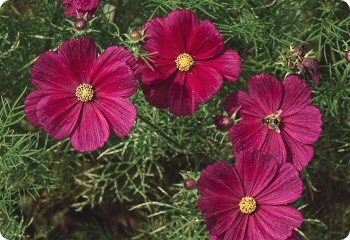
column 250, row 201
column 189, row 62
column 82, row 96
column 80, row 8
column 294, row 236
column 276, row 118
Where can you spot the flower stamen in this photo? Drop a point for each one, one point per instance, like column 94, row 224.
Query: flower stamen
column 184, row 62
column 247, row 205
column 84, row 92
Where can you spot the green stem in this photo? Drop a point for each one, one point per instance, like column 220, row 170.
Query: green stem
column 165, row 136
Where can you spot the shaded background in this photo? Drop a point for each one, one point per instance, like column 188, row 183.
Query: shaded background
column 132, row 188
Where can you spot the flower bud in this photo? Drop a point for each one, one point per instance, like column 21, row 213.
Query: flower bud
column 223, row 123
column 135, row 36
column 347, row 56
column 80, row 24
column 189, row 184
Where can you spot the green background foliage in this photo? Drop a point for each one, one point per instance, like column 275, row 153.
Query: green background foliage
column 132, row 188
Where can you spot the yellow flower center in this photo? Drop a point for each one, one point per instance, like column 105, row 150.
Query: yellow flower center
column 247, row 205
column 184, row 62
column 84, row 92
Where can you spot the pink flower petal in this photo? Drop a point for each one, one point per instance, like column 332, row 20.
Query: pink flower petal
column 286, row 187
column 157, row 94
column 277, row 222
column 181, row 25
column 116, row 80
column 257, row 170
column 114, row 54
column 228, row 64
column 120, row 113
column 159, row 40
column 212, row 237
column 84, row 4
column 92, row 132
column 298, row 154
column 205, row 41
column 48, row 72
column 162, row 70
column 214, row 205
column 267, row 91
column 203, row 83
column 221, row 179
column 181, row 99
column 80, row 6
column 219, row 214
column 249, row 107
column 304, row 126
column 78, row 56
column 58, row 114
column 237, row 230
column 30, row 106
column 247, row 136
column 275, row 146
column 297, row 96
column 71, row 11
column 253, row 230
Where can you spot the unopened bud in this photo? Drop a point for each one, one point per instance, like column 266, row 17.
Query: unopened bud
column 223, row 123
column 189, row 183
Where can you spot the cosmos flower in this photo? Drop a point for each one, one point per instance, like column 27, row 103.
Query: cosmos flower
column 276, row 118
column 188, row 61
column 80, row 8
column 294, row 236
column 250, row 201
column 81, row 95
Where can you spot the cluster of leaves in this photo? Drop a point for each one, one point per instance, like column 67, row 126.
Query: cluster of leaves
column 132, row 187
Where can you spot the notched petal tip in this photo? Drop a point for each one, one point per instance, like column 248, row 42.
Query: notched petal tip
column 267, row 91
column 120, row 113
